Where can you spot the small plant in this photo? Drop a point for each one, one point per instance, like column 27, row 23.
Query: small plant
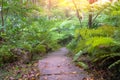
column 39, row 49
column 5, row 54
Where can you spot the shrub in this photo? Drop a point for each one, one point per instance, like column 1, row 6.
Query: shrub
column 101, row 44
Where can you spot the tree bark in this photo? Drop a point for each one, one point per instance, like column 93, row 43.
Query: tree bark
column 49, row 8
column 2, row 16
column 49, row 5
column 77, row 12
column 90, row 22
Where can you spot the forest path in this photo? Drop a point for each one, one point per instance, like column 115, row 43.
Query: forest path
column 57, row 66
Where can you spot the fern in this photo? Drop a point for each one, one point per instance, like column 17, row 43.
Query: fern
column 77, row 55
column 113, row 14
column 94, row 42
column 92, row 38
column 114, row 64
column 105, row 31
column 102, row 44
column 40, row 49
column 106, row 56
column 83, row 65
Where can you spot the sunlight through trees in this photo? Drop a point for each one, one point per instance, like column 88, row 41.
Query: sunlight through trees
column 31, row 29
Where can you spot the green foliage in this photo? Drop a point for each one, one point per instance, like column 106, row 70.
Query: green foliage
column 114, row 64
column 110, row 14
column 94, row 42
column 5, row 54
column 26, row 46
column 117, row 34
column 82, row 65
column 39, row 49
column 101, row 44
column 114, row 13
column 39, row 30
column 106, row 31
column 32, row 34
column 77, row 55
column 84, row 36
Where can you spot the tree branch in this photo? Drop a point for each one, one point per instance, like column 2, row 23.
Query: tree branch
column 77, row 12
column 100, row 13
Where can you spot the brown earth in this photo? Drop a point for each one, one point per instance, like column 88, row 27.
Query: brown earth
column 57, row 66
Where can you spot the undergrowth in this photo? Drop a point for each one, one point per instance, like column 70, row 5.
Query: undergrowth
column 101, row 45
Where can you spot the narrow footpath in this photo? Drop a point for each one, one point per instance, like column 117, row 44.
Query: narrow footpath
column 57, row 66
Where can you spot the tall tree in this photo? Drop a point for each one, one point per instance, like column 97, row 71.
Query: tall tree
column 2, row 16
column 90, row 21
column 49, row 7
column 77, row 12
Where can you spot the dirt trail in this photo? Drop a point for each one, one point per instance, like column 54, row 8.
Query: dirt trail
column 57, row 66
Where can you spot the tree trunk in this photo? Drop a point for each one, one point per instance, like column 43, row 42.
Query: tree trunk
column 77, row 12
column 90, row 22
column 49, row 5
column 49, row 8
column 2, row 16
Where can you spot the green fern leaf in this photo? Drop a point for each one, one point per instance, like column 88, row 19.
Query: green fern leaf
column 114, row 64
column 77, row 55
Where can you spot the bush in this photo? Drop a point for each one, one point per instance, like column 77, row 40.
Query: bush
column 38, row 37
column 5, row 54
column 100, row 44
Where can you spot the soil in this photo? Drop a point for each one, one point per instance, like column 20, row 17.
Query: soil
column 58, row 66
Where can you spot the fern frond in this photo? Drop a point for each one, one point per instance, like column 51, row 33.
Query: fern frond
column 97, row 41
column 114, row 64
column 82, row 64
column 77, row 55
column 106, row 57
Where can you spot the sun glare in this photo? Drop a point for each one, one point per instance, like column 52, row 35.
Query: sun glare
column 103, row 1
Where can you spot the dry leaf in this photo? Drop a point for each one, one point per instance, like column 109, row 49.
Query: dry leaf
column 33, row 78
column 74, row 72
column 38, row 74
column 35, row 64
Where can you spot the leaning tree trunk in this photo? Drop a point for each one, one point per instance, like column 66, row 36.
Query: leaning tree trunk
column 77, row 12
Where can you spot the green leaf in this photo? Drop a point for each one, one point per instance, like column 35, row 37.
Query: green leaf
column 77, row 55
column 114, row 64
column 83, row 65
